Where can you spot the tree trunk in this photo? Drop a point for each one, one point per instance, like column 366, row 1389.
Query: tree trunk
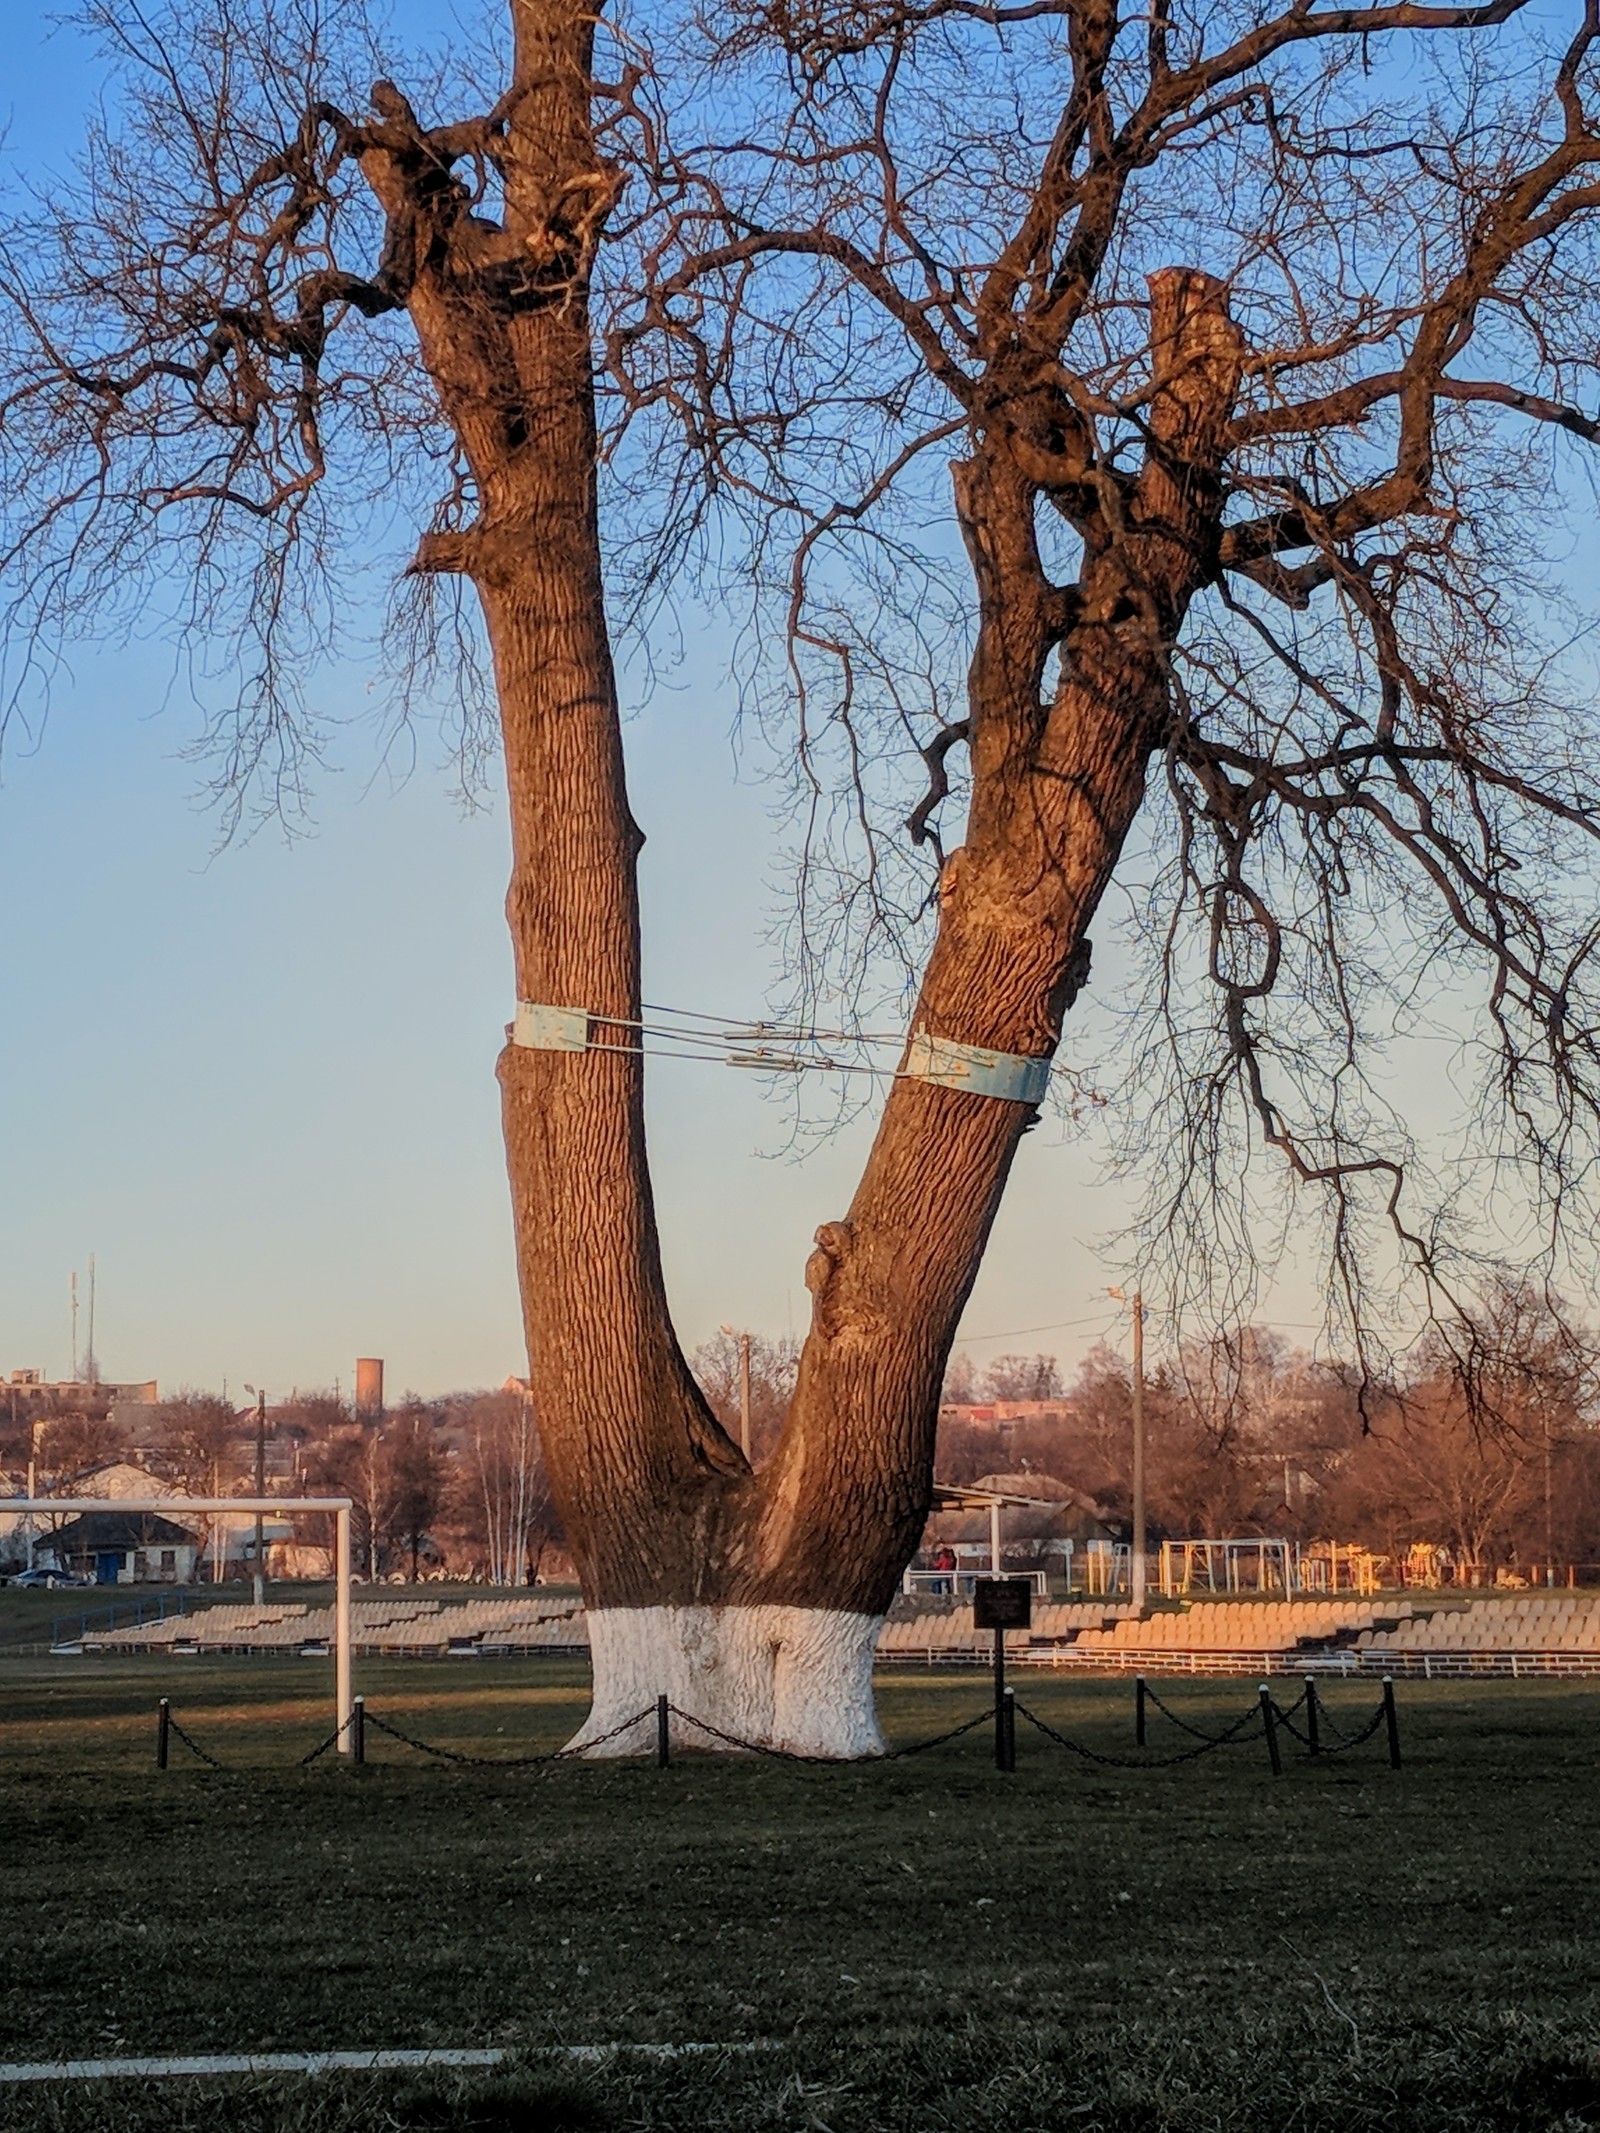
column 754, row 1602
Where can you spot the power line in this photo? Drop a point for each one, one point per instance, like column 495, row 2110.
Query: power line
column 1060, row 1325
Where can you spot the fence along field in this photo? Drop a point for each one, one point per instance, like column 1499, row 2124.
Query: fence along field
column 928, row 1942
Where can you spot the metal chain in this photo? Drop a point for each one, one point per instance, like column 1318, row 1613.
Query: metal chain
column 1344, row 1740
column 573, row 1754
column 1144, row 1762
column 193, row 1746
column 505, row 1762
column 753, row 1747
column 1288, row 1724
column 1212, row 1740
column 793, row 1755
column 894, row 1755
column 1239, row 1730
column 1349, row 1740
column 1357, row 1740
column 336, row 1735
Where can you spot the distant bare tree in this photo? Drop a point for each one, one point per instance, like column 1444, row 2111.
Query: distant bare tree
column 1477, row 1467
column 773, row 1364
column 349, row 1461
column 961, row 1381
column 69, row 1445
column 198, row 1439
column 504, row 1499
column 416, row 1472
column 1022, row 1377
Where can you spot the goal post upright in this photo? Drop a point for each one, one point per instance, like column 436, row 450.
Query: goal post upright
column 340, row 1506
column 344, row 1706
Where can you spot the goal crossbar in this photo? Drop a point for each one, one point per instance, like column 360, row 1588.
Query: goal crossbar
column 339, row 1506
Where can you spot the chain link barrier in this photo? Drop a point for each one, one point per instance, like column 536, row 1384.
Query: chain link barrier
column 1241, row 1729
column 332, row 1741
column 194, row 1746
column 1244, row 1728
column 919, row 1747
column 795, row 1755
column 751, row 1747
column 1345, row 1741
column 1212, row 1740
column 568, row 1754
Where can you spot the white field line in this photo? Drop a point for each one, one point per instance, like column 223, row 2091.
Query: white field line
column 341, row 2062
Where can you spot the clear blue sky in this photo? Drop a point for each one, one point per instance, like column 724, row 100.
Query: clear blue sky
column 259, row 1085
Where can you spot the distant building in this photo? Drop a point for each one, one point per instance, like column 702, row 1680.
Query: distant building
column 31, row 1390
column 121, row 1477
column 122, row 1548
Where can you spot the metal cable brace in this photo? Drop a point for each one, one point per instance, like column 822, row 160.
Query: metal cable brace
column 974, row 1068
column 550, row 1029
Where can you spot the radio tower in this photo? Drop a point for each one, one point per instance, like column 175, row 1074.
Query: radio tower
column 91, row 1361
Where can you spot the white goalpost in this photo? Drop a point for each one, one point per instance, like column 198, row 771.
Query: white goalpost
column 343, row 1694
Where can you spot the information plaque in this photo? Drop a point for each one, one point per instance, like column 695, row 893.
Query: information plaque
column 1002, row 1603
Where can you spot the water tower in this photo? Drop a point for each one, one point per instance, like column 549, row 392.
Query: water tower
column 369, row 1387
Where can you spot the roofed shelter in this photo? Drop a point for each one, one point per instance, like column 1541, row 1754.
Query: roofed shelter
column 124, row 1548
column 1021, row 1506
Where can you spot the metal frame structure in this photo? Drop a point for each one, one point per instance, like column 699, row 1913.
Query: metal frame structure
column 1216, row 1566
column 340, row 1506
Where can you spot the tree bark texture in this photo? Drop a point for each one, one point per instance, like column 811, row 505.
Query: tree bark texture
column 754, row 1600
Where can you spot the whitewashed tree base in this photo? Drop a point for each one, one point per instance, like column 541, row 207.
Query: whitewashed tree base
column 786, row 1677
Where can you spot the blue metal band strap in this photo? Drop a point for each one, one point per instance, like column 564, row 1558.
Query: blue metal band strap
column 972, row 1067
column 550, row 1029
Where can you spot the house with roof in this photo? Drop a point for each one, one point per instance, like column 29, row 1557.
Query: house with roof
column 122, row 1548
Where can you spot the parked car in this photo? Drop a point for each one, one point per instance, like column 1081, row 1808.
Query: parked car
column 34, row 1580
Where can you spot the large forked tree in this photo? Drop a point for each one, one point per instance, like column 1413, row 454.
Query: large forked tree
column 1228, row 314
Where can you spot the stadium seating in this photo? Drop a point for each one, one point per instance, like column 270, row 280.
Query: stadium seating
column 1244, row 1625
column 398, row 1626
column 1532, row 1623
column 949, row 1633
column 1539, row 1631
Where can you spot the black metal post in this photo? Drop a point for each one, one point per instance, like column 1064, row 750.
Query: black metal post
column 1008, row 1704
column 1138, row 1710
column 1269, row 1726
column 1000, row 1700
column 1313, row 1717
column 663, row 1734
column 358, row 1729
column 1391, row 1720
column 163, row 1728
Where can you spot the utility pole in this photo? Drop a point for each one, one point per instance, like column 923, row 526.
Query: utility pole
column 1137, row 1557
column 744, row 1394
column 34, row 1428
column 258, row 1583
column 1549, row 1514
column 744, row 1388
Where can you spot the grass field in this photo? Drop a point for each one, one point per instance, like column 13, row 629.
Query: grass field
column 918, row 1945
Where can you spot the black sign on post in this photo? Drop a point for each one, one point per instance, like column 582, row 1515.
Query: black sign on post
column 1002, row 1603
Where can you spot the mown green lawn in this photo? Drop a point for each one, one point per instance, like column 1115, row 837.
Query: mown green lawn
column 918, row 1944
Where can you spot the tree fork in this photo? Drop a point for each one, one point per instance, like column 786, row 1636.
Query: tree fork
column 755, row 1601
